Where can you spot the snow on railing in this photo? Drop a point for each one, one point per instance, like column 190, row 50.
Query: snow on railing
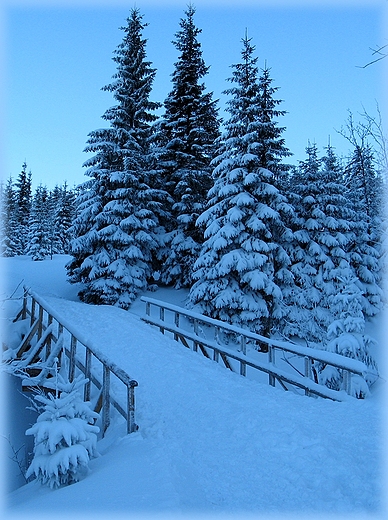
column 54, row 336
column 306, row 379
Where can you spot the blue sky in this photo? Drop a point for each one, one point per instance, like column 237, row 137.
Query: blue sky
column 56, row 60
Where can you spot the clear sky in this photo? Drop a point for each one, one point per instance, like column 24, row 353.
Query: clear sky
column 57, row 56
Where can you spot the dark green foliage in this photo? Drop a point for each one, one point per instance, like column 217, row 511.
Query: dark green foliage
column 184, row 148
column 235, row 272
column 117, row 210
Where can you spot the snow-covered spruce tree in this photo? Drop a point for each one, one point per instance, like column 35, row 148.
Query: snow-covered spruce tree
column 365, row 191
column 184, row 148
column 346, row 336
column 9, row 224
column 62, row 207
column 23, row 202
column 65, row 435
column 323, row 234
column 271, row 145
column 272, row 151
column 115, row 240
column 40, row 226
column 235, row 271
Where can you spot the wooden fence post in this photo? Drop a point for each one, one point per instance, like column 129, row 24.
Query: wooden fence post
column 195, row 344
column 32, row 310
column 40, row 325
column 105, row 398
column 24, row 311
column 176, row 321
column 88, row 372
column 217, row 334
column 347, row 379
column 131, row 425
column 161, row 315
column 271, row 356
column 243, row 346
column 307, row 372
column 48, row 342
column 73, row 347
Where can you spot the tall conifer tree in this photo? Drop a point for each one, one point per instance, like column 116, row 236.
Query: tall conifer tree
column 365, row 189
column 23, row 203
column 185, row 140
column 325, row 230
column 40, row 226
column 9, row 224
column 272, row 149
column 235, row 272
column 118, row 209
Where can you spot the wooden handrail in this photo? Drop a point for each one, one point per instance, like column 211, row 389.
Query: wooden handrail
column 310, row 355
column 44, row 331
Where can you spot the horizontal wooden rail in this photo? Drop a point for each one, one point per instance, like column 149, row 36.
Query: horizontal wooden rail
column 308, row 381
column 49, row 328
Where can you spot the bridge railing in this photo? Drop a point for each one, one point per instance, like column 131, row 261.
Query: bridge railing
column 168, row 318
column 50, row 337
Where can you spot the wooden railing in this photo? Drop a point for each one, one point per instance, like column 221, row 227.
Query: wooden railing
column 306, row 380
column 49, row 338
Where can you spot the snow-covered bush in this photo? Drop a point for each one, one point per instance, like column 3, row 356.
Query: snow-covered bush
column 346, row 336
column 65, row 438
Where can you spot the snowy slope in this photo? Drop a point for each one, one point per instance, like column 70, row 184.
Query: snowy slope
column 210, row 442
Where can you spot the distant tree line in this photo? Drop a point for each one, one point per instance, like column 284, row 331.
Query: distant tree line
column 188, row 200
column 35, row 224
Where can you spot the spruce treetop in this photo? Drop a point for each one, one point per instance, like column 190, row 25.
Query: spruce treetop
column 190, row 123
column 244, row 103
column 133, row 79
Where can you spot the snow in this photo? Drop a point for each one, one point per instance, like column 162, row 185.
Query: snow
column 210, row 442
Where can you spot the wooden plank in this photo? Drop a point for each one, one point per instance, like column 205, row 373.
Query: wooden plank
column 271, row 360
column 161, row 313
column 243, row 344
column 40, row 388
column 183, row 340
column 98, row 406
column 226, row 362
column 49, row 363
column 243, row 369
column 24, row 346
column 88, row 372
column 32, row 310
column 131, row 425
column 176, row 321
column 73, row 346
column 33, row 371
column 24, row 309
column 40, row 318
column 33, row 352
column 105, row 398
column 282, row 384
column 51, row 337
column 347, row 381
column 203, row 350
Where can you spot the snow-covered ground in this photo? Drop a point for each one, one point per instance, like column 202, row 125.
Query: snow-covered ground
column 210, row 442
